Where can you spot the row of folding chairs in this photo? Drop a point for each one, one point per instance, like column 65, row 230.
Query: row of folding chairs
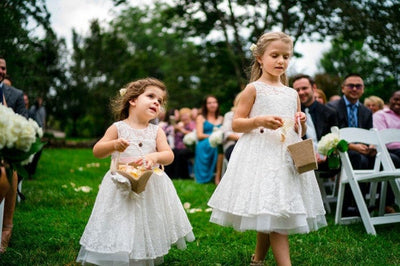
column 384, row 172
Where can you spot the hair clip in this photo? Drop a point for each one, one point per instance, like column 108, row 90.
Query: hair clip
column 253, row 47
column 122, row 92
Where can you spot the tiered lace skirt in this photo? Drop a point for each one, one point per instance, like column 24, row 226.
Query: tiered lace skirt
column 262, row 191
column 129, row 229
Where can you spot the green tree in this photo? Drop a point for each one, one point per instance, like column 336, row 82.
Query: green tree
column 352, row 56
column 34, row 62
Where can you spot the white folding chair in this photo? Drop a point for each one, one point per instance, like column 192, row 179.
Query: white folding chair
column 387, row 136
column 354, row 177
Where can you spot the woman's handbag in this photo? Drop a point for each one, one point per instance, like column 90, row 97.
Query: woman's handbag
column 303, row 154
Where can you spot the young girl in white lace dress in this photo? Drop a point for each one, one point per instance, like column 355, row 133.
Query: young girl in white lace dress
column 261, row 189
column 126, row 228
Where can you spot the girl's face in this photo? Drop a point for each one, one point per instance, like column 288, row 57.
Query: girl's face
column 275, row 59
column 212, row 104
column 149, row 103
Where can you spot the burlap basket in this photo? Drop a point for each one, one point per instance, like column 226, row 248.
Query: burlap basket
column 138, row 184
column 135, row 174
column 303, row 154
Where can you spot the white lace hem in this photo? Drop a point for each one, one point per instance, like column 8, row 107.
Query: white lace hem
column 267, row 223
column 123, row 258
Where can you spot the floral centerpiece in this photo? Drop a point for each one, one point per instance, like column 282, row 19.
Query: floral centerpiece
column 19, row 141
column 330, row 145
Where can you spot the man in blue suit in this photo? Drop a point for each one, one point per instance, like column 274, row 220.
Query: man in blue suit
column 351, row 113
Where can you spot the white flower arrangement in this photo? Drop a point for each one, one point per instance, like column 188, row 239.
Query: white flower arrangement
column 328, row 142
column 330, row 145
column 190, row 138
column 216, row 138
column 19, row 140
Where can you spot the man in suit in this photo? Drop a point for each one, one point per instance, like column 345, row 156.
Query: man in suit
column 14, row 99
column 320, row 118
column 351, row 113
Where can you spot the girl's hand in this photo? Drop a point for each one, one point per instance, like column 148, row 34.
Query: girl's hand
column 148, row 161
column 302, row 117
column 269, row 121
column 120, row 144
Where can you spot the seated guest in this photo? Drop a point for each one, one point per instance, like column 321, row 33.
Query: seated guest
column 390, row 118
column 168, row 126
column 374, row 103
column 320, row 96
column 320, row 118
column 351, row 113
column 230, row 137
column 180, row 166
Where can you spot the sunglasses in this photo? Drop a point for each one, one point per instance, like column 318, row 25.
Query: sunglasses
column 351, row 86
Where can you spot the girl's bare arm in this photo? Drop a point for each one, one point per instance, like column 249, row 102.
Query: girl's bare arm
column 241, row 121
column 109, row 143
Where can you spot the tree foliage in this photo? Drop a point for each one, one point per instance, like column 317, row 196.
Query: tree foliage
column 35, row 63
column 195, row 47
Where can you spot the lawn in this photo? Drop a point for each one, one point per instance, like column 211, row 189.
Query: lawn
column 49, row 223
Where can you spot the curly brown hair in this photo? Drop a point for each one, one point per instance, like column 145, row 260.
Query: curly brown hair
column 120, row 104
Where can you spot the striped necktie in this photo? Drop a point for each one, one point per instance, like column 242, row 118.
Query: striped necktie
column 352, row 117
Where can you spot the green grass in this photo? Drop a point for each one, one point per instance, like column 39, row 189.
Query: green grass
column 49, row 223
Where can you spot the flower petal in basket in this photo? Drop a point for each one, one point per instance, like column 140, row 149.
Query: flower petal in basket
column 138, row 184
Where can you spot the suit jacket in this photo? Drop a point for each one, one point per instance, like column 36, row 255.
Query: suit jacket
column 15, row 100
column 323, row 118
column 364, row 115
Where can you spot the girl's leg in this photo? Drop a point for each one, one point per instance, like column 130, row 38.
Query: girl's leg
column 218, row 170
column 262, row 246
column 280, row 249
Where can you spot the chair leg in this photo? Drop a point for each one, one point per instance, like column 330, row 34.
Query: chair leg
column 323, row 194
column 382, row 200
column 362, row 207
column 339, row 204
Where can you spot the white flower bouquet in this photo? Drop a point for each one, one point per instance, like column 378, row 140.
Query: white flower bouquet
column 19, row 141
column 330, row 145
column 216, row 138
column 190, row 138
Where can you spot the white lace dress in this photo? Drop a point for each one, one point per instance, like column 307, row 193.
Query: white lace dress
column 261, row 190
column 135, row 229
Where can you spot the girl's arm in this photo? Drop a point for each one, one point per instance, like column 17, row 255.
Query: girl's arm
column 109, row 143
column 241, row 121
column 164, row 155
column 302, row 117
column 199, row 128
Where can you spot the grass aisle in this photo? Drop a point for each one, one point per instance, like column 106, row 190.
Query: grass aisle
column 49, row 223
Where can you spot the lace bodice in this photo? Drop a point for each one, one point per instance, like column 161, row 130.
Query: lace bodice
column 142, row 141
column 280, row 101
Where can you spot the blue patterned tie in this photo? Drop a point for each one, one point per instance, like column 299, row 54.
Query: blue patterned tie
column 352, row 118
